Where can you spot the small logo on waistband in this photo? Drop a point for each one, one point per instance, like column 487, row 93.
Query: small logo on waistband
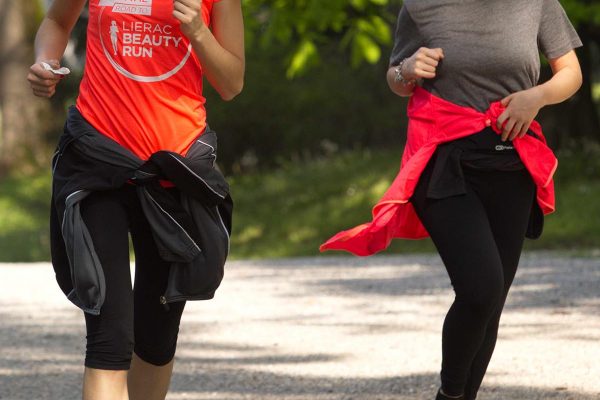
column 501, row 147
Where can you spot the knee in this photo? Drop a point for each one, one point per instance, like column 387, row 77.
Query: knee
column 110, row 349
column 157, row 354
column 483, row 298
column 156, row 333
column 157, row 345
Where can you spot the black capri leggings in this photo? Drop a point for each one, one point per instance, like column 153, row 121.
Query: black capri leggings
column 479, row 236
column 129, row 319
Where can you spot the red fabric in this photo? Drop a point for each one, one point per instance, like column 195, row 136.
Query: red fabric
column 142, row 84
column 433, row 121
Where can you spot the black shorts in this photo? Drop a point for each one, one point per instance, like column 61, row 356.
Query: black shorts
column 130, row 319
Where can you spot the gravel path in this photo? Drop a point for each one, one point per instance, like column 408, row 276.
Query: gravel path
column 324, row 329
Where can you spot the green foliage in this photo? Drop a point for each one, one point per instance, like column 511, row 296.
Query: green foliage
column 308, row 27
column 24, row 210
column 305, row 56
column 290, row 211
column 363, row 28
column 582, row 11
column 276, row 120
column 336, row 99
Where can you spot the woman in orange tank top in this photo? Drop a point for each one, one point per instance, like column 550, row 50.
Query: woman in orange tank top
column 142, row 88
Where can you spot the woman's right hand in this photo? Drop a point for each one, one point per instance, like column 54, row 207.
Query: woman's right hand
column 43, row 82
column 422, row 64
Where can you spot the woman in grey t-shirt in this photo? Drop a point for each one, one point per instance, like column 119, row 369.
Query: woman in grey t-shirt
column 473, row 53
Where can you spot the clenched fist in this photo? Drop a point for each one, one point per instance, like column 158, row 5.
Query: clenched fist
column 189, row 14
column 423, row 64
column 43, row 82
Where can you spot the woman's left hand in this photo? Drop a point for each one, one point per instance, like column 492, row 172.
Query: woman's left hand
column 189, row 14
column 521, row 109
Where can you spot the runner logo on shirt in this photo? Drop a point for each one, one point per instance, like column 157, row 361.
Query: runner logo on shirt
column 140, row 41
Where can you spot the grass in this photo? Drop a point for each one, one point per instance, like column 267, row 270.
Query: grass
column 24, row 210
column 290, row 211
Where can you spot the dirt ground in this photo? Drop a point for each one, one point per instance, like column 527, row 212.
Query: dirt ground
column 323, row 329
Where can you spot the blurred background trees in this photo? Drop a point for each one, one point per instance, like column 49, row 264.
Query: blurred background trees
column 334, row 55
column 22, row 117
column 315, row 84
column 316, row 135
column 579, row 118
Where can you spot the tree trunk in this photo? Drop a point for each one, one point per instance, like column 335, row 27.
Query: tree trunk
column 21, row 114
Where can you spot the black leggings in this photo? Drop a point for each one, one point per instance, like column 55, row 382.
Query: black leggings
column 130, row 320
column 479, row 236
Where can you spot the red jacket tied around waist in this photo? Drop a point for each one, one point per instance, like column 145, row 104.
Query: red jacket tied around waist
column 433, row 121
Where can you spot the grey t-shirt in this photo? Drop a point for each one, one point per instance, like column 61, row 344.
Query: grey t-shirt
column 491, row 47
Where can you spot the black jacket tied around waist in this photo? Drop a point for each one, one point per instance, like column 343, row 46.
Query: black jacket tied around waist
column 192, row 233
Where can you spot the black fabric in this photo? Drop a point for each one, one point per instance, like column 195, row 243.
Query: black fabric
column 482, row 151
column 479, row 235
column 129, row 319
column 152, row 193
column 174, row 168
column 192, row 232
column 441, row 396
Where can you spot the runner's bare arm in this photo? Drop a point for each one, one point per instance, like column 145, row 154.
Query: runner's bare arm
column 421, row 65
column 221, row 52
column 50, row 44
column 522, row 107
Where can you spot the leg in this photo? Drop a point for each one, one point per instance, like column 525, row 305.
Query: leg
column 460, row 230
column 99, row 384
column 110, row 334
column 148, row 381
column 156, row 327
column 508, row 226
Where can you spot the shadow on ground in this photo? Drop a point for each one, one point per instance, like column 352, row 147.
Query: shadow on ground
column 41, row 352
column 44, row 362
column 557, row 283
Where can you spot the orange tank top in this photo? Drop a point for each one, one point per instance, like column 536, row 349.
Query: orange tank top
column 142, row 82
